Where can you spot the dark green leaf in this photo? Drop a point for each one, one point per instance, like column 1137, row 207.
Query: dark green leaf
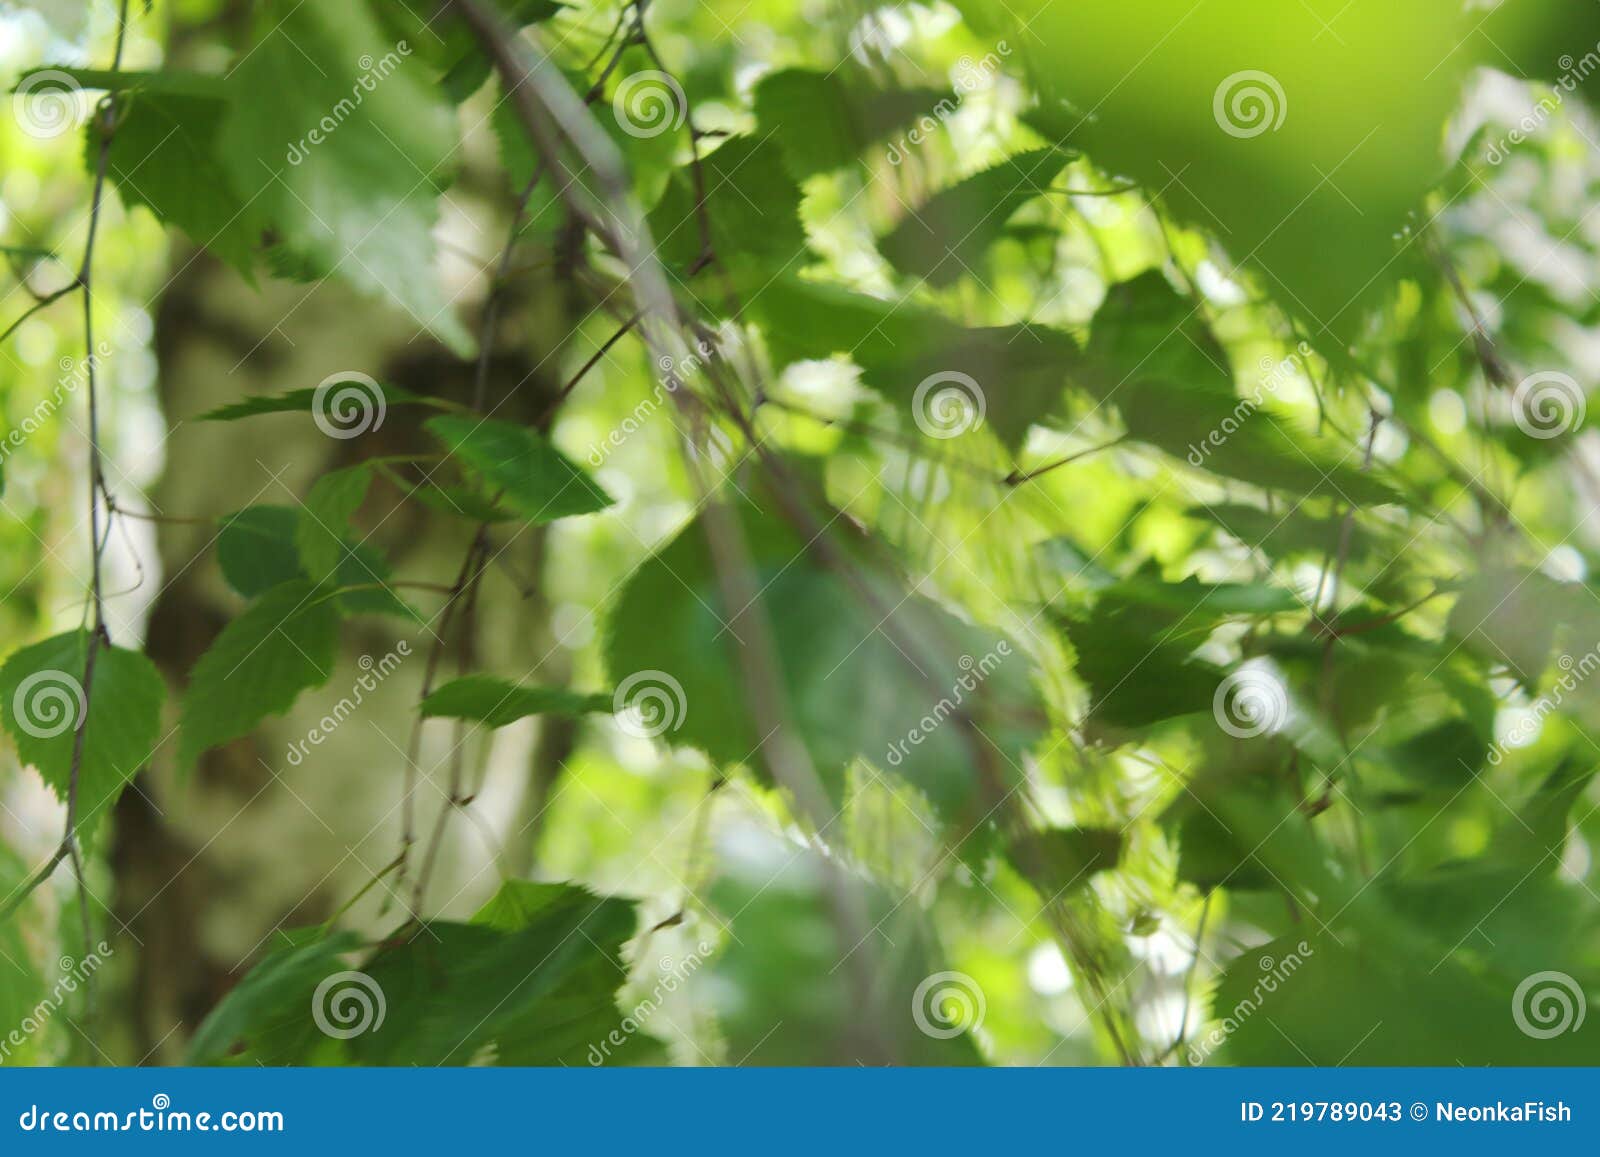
column 752, row 207
column 826, row 120
column 948, row 235
column 852, row 686
column 534, row 478
column 255, row 549
column 267, row 1017
column 498, row 702
column 323, row 527
column 283, row 644
column 1061, row 860
column 304, row 401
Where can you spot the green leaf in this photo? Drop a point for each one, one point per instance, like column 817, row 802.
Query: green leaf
column 1190, row 609
column 1444, row 756
column 1061, row 860
column 1314, row 180
column 826, row 120
column 43, row 700
column 1136, row 676
column 797, row 985
column 134, row 80
column 1009, row 376
column 266, row 1018
column 255, row 549
column 1144, row 329
column 1535, row 837
column 349, row 155
column 535, row 976
column 544, row 211
column 538, row 481
column 1294, row 532
column 448, row 46
column 1239, row 439
column 1223, row 823
column 1504, row 615
column 498, row 702
column 322, row 529
column 164, row 156
column 282, row 645
column 463, row 502
column 949, row 234
column 304, row 401
column 752, row 207
column 1134, row 648
column 1399, row 1002
column 1499, row 916
column 673, row 643
column 804, row 318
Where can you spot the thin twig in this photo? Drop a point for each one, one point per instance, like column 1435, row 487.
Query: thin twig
column 38, row 304
column 1017, row 478
column 98, row 636
column 594, row 360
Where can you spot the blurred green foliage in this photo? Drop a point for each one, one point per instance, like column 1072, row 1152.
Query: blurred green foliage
column 1104, row 518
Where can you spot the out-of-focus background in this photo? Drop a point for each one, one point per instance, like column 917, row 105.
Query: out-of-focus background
column 197, row 871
